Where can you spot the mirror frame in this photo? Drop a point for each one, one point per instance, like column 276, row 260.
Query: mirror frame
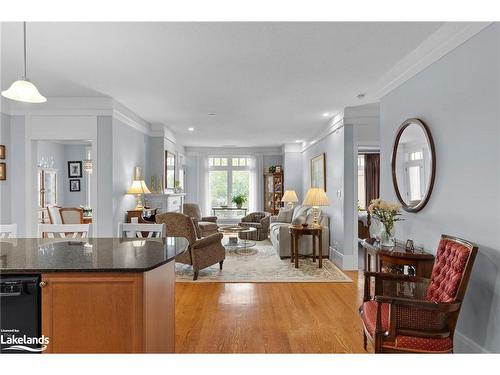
column 430, row 142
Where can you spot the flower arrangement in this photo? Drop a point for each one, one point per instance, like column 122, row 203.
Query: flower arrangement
column 387, row 213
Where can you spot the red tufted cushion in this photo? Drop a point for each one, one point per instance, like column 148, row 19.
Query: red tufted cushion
column 447, row 271
column 423, row 344
column 370, row 314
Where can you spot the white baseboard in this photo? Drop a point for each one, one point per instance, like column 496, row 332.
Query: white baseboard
column 344, row 262
column 463, row 344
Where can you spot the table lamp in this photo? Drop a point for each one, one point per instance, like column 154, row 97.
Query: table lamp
column 316, row 197
column 138, row 188
column 290, row 197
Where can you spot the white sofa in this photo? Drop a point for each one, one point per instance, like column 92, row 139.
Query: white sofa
column 280, row 234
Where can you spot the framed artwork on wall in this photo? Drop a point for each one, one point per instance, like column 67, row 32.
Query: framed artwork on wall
column 2, row 152
column 74, row 169
column 74, row 185
column 3, row 171
column 318, row 172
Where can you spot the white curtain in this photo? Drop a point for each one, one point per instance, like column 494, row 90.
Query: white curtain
column 203, row 185
column 256, row 183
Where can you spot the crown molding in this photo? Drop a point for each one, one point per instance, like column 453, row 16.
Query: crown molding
column 444, row 40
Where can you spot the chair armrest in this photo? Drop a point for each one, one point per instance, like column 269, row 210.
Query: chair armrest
column 247, row 218
column 444, row 307
column 208, row 240
column 394, row 276
column 212, row 219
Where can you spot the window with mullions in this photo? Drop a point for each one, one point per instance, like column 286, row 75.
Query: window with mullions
column 227, row 177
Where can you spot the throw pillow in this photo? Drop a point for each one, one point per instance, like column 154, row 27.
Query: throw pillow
column 284, row 215
column 299, row 211
column 300, row 219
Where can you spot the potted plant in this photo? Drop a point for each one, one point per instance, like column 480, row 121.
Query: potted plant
column 387, row 214
column 239, row 199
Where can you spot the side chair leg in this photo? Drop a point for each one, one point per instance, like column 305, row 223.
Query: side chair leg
column 364, row 340
column 195, row 276
column 220, row 264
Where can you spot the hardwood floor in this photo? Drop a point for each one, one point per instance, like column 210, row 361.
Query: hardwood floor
column 269, row 317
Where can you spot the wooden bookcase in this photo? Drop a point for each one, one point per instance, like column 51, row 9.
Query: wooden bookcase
column 273, row 192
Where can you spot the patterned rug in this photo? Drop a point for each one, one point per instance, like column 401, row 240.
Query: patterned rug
column 265, row 266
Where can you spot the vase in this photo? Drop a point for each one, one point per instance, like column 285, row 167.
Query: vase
column 238, row 206
column 387, row 237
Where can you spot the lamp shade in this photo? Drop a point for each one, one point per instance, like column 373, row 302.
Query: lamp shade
column 24, row 91
column 290, row 196
column 316, row 197
column 138, row 187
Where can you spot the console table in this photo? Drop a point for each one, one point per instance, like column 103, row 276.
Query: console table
column 214, row 209
column 389, row 259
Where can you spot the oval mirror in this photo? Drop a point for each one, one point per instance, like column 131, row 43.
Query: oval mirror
column 413, row 164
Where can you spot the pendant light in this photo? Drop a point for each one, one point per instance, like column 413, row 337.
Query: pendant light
column 23, row 90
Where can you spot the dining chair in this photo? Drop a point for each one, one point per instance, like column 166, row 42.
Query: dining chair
column 71, row 215
column 64, row 230
column 134, row 230
column 8, row 230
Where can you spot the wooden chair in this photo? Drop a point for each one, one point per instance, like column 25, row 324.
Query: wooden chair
column 8, row 230
column 63, row 230
column 71, row 215
column 409, row 314
column 134, row 230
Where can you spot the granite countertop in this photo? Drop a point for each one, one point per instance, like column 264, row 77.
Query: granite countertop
column 34, row 255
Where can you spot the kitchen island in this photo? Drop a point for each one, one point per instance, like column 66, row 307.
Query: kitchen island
column 101, row 295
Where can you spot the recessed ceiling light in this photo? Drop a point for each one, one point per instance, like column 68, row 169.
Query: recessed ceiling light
column 298, row 141
column 212, row 114
column 326, row 114
column 360, row 96
column 191, row 129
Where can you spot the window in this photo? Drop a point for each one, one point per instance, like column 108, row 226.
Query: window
column 417, row 155
column 361, row 182
column 227, row 177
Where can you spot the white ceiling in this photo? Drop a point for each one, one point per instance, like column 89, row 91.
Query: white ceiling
column 268, row 83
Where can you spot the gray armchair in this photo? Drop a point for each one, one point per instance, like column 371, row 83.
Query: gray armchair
column 202, row 252
column 205, row 225
column 258, row 220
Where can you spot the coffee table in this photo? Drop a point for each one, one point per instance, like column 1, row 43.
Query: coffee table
column 234, row 243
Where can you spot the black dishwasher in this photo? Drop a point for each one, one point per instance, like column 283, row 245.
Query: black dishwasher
column 20, row 326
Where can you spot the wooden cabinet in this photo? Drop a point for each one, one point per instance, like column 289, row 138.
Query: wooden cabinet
column 273, row 192
column 98, row 312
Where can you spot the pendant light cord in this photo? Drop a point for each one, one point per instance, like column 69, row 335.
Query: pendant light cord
column 24, row 26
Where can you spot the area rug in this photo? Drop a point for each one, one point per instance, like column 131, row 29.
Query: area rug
column 264, row 266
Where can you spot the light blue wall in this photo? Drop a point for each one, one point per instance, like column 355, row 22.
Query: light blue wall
column 458, row 98
column 104, row 178
column 130, row 149
column 339, row 162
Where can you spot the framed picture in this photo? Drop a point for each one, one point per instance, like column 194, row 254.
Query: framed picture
column 74, row 169
column 318, row 172
column 2, row 152
column 3, row 171
column 74, row 185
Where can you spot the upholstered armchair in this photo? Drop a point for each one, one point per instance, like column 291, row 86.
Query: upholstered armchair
column 258, row 220
column 202, row 252
column 205, row 225
column 408, row 314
